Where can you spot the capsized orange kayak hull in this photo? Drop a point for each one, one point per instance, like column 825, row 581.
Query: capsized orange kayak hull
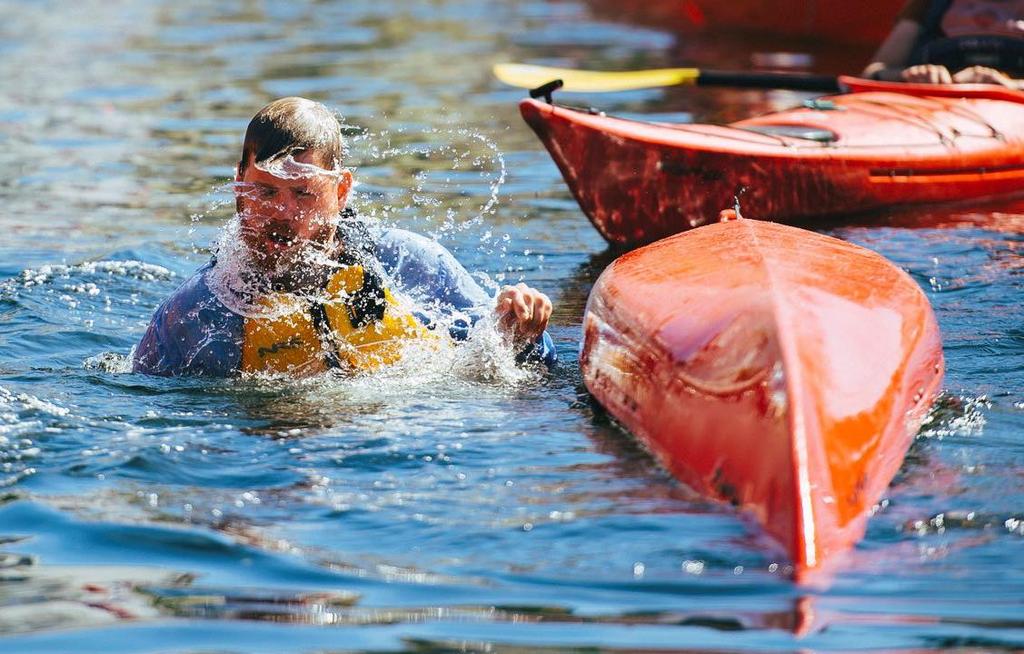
column 777, row 369
column 639, row 181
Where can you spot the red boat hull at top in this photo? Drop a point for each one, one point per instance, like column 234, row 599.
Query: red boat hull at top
column 638, row 182
column 867, row 21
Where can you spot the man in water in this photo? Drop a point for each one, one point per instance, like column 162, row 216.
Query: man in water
column 954, row 42
column 303, row 285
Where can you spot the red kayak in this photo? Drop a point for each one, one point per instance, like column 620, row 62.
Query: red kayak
column 884, row 144
column 777, row 369
column 866, row 21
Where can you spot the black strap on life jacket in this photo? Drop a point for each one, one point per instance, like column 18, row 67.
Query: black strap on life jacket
column 358, row 248
column 323, row 330
column 354, row 238
column 368, row 304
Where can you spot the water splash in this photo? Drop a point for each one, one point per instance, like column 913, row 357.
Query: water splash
column 461, row 151
column 231, row 279
column 111, row 362
column 485, row 358
column 214, row 204
column 288, row 168
column 239, row 285
column 445, row 168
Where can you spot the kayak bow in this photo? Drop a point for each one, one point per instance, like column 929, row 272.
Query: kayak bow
column 777, row 369
column 885, row 144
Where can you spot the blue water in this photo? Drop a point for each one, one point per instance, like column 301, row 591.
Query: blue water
column 470, row 511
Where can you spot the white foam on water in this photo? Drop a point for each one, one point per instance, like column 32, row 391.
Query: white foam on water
column 961, row 416
column 23, row 415
column 49, row 274
column 111, row 362
column 104, row 294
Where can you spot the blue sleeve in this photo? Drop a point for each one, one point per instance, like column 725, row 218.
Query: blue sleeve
column 541, row 350
column 191, row 333
column 429, row 273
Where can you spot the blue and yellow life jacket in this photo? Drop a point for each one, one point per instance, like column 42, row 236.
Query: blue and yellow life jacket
column 358, row 325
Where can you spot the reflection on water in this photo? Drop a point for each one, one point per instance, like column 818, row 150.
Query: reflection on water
column 461, row 508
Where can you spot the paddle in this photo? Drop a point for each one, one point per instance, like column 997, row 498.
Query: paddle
column 596, row 81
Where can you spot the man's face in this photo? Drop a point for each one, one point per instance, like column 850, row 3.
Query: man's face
column 281, row 217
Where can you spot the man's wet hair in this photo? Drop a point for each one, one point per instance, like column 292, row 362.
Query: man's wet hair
column 290, row 125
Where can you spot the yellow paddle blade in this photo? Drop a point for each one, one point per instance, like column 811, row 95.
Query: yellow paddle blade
column 593, row 81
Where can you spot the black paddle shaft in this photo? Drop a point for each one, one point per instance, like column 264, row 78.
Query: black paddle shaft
column 759, row 80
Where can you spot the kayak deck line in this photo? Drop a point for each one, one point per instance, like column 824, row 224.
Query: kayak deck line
column 774, row 131
column 956, row 91
column 934, row 175
column 779, row 370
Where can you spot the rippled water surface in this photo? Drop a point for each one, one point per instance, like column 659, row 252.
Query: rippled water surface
column 468, row 510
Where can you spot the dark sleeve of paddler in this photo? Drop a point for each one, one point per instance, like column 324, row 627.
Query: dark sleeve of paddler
column 915, row 10
column 895, row 51
column 430, row 274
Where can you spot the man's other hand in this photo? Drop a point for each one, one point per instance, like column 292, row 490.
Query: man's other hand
column 983, row 75
column 522, row 312
column 927, row 74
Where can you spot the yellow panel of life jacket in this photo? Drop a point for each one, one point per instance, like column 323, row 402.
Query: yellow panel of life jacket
column 375, row 344
column 285, row 342
column 292, row 341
